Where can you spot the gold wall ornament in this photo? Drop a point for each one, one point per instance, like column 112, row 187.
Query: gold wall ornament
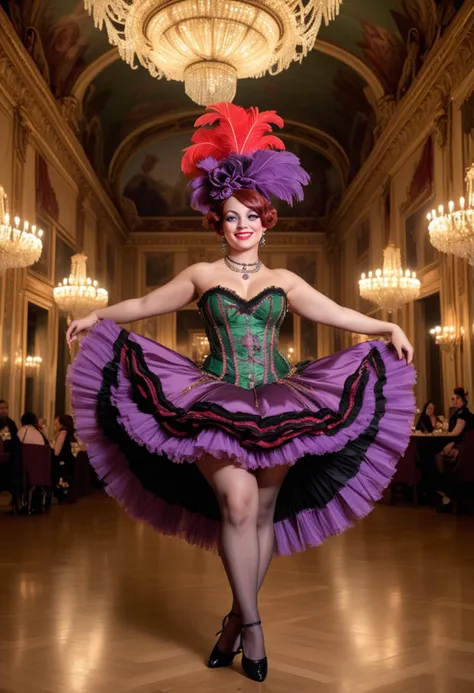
column 390, row 287
column 453, row 232
column 210, row 44
column 78, row 295
column 32, row 363
column 447, row 337
column 20, row 246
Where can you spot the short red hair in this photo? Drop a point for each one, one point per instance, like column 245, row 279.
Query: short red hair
column 251, row 199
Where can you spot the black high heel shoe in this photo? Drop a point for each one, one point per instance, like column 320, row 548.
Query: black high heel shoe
column 217, row 658
column 256, row 669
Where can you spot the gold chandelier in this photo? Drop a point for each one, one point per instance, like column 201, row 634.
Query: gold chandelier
column 19, row 247
column 454, row 232
column 390, row 287
column 79, row 295
column 209, row 44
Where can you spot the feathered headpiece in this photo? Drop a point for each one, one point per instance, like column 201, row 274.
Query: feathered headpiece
column 239, row 153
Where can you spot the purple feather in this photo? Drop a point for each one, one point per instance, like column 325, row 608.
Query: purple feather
column 269, row 172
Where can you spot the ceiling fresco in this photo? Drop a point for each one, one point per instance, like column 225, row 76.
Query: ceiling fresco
column 153, row 181
column 331, row 96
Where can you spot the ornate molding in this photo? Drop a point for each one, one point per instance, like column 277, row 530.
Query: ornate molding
column 164, row 225
column 19, row 78
column 441, row 120
column 450, row 61
column 21, row 133
column 68, row 107
column 201, row 239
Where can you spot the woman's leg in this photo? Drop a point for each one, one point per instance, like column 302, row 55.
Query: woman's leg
column 269, row 482
column 237, row 493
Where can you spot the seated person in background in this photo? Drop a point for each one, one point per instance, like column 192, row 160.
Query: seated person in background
column 428, row 420
column 30, row 431
column 8, row 432
column 5, row 421
column 30, row 434
column 462, row 420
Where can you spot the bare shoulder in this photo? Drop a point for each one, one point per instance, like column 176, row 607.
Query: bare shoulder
column 287, row 279
column 201, row 269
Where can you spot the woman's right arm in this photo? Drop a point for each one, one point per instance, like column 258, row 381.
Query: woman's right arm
column 168, row 298
column 59, row 442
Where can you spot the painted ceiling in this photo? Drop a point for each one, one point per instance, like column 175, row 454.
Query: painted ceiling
column 133, row 127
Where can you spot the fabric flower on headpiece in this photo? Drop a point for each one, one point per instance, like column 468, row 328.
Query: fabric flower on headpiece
column 238, row 153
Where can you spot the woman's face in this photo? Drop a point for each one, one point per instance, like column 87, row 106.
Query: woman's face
column 430, row 409
column 57, row 425
column 457, row 401
column 241, row 226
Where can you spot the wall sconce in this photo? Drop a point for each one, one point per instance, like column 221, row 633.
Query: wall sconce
column 32, row 363
column 447, row 337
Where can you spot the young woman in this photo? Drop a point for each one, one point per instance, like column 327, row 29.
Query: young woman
column 247, row 453
column 428, row 420
column 461, row 420
column 30, row 431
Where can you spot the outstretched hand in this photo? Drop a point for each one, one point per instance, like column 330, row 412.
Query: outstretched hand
column 78, row 326
column 401, row 344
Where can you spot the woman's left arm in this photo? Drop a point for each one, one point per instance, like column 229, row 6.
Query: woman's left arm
column 458, row 428
column 315, row 306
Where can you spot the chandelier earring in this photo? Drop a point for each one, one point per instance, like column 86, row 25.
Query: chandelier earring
column 262, row 240
column 224, row 246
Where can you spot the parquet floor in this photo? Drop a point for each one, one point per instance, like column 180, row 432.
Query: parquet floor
column 92, row 602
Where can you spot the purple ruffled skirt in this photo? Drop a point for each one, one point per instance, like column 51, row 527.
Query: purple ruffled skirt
column 147, row 413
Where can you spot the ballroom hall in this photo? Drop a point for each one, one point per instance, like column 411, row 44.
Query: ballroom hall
column 226, row 419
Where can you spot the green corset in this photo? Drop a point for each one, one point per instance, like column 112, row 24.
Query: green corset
column 243, row 335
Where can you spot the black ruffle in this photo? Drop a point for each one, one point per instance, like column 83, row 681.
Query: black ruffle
column 311, row 483
column 249, row 430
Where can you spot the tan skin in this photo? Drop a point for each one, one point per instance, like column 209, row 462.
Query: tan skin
column 244, row 497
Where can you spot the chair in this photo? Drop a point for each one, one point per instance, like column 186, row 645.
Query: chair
column 463, row 472
column 407, row 472
column 82, row 482
column 36, row 468
column 5, row 468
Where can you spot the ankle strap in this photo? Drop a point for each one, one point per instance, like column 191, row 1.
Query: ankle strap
column 249, row 625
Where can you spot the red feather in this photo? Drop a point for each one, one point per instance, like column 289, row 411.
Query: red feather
column 236, row 130
column 259, row 125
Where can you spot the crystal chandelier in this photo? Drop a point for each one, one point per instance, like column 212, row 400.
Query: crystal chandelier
column 78, row 296
column 454, row 232
column 209, row 44
column 19, row 247
column 390, row 287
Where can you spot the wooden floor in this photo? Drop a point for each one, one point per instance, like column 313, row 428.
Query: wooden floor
column 93, row 602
